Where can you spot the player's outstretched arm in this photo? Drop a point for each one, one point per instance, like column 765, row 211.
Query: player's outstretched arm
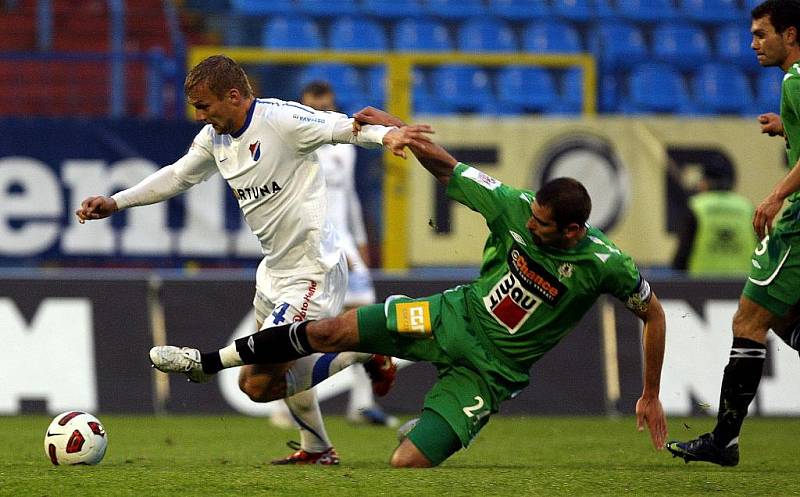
column 96, row 207
column 649, row 410
column 431, row 155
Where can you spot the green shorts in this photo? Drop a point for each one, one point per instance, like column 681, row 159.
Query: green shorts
column 468, row 389
column 774, row 276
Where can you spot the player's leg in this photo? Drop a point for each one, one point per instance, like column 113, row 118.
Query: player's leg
column 789, row 328
column 429, row 443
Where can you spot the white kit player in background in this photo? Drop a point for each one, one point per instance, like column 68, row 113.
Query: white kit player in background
column 264, row 149
column 338, row 163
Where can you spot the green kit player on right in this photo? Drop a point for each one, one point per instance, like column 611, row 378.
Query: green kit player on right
column 543, row 268
column 770, row 296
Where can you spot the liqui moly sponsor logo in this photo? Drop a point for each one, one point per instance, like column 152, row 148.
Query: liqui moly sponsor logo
column 312, row 289
column 510, row 303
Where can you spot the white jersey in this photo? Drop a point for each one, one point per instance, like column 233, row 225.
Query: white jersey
column 344, row 208
column 273, row 173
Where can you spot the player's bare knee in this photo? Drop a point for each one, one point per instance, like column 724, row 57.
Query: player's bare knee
column 260, row 388
column 405, row 460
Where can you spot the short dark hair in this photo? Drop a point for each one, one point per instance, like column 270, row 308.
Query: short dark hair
column 220, row 73
column 783, row 14
column 568, row 201
column 317, row 88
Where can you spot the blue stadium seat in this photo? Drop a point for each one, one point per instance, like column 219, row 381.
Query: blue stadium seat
column 283, row 32
column 733, row 46
column 681, row 45
column 551, row 36
column 713, row 11
column 604, row 10
column 647, row 10
column 259, row 7
column 768, row 92
column 376, row 85
column 393, row 9
column 574, row 10
column 350, row 33
column 618, row 45
column 345, row 80
column 571, row 90
column 522, row 90
column 455, row 9
column 656, row 88
column 423, row 101
column 325, row 8
column 421, row 35
column 519, row 10
column 722, row 89
column 463, row 88
column 486, row 35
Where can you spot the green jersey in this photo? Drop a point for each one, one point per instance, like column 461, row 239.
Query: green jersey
column 790, row 116
column 529, row 296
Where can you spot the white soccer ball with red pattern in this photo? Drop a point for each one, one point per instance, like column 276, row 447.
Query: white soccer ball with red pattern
column 75, row 437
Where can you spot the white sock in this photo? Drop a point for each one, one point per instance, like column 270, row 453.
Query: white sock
column 230, row 356
column 311, row 370
column 361, row 397
column 305, row 411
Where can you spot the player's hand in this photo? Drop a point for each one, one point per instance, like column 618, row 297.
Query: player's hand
column 96, row 207
column 650, row 412
column 765, row 213
column 771, row 124
column 371, row 115
column 415, row 136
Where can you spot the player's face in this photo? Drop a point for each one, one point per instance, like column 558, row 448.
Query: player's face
column 319, row 102
column 542, row 226
column 222, row 114
column 770, row 46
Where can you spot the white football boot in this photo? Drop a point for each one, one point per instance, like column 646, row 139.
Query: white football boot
column 184, row 360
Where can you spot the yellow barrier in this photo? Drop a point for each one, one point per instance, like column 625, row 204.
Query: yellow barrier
column 399, row 67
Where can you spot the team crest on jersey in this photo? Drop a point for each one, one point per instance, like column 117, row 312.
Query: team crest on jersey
column 255, row 150
column 527, row 284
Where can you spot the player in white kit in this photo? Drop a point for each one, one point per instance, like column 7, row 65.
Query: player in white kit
column 264, row 150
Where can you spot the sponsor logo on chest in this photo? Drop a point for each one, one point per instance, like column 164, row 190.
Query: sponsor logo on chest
column 517, row 294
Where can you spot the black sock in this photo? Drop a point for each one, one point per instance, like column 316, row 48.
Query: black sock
column 211, row 362
column 739, row 385
column 793, row 340
column 275, row 345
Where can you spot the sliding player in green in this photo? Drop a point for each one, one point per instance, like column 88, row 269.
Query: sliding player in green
column 543, row 268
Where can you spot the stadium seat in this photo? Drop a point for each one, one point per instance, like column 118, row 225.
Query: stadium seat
column 455, row 9
column 463, row 88
column 393, row 9
column 768, row 92
column 376, row 85
column 345, row 80
column 733, row 46
column 656, row 88
column 259, row 7
column 571, row 91
column 574, row 10
column 486, row 35
column 423, row 101
column 421, row 35
column 300, row 33
column 522, row 90
column 618, row 45
column 325, row 8
column 647, row 10
column 722, row 89
column 681, row 45
column 712, row 11
column 551, row 36
column 519, row 10
column 349, row 33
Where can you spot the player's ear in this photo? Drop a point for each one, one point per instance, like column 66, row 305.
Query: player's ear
column 572, row 230
column 790, row 35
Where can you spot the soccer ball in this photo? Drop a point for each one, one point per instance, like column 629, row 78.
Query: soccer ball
column 75, row 437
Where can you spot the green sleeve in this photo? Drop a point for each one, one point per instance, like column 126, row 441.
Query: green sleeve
column 624, row 281
column 790, row 115
column 479, row 191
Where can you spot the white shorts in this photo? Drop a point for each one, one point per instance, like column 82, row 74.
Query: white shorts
column 284, row 298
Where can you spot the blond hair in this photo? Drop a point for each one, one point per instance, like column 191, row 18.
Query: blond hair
column 220, row 74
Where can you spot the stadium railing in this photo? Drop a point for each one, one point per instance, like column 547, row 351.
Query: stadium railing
column 399, row 85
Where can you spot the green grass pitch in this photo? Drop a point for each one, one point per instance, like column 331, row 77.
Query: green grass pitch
column 229, row 455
